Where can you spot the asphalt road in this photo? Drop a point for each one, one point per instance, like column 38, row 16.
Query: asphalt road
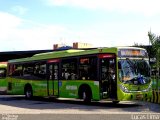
column 18, row 108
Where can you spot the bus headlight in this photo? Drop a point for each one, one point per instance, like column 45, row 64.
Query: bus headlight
column 123, row 88
column 149, row 88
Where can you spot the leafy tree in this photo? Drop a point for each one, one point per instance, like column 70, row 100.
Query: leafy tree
column 155, row 41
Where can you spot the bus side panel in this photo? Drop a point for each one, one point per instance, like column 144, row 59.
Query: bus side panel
column 3, row 85
column 39, row 87
column 53, row 88
column 18, row 85
column 56, row 88
column 15, row 86
column 70, row 88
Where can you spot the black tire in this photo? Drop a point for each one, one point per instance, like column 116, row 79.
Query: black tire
column 28, row 93
column 115, row 102
column 86, row 96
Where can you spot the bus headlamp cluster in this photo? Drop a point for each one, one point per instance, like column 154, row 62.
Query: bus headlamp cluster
column 149, row 88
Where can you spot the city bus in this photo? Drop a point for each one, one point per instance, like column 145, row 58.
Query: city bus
column 3, row 82
column 100, row 74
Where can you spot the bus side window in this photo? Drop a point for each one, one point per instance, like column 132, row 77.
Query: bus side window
column 88, row 68
column 65, row 74
column 73, row 76
column 40, row 70
column 84, row 74
column 17, row 71
column 69, row 69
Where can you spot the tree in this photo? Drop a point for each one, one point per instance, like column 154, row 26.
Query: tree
column 155, row 41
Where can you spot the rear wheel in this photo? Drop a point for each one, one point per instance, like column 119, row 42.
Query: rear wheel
column 28, row 93
column 86, row 96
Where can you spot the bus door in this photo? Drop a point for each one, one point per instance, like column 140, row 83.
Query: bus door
column 53, row 77
column 108, row 76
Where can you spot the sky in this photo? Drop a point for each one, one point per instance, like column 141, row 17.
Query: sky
column 38, row 24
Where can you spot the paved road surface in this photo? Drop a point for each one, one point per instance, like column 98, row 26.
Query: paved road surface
column 17, row 108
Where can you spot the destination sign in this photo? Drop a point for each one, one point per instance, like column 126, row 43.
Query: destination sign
column 132, row 53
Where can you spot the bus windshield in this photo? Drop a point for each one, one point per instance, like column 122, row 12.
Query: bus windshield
column 134, row 71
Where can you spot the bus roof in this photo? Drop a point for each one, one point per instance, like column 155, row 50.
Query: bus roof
column 70, row 53
column 65, row 53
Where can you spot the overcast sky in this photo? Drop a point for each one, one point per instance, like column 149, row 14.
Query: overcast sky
column 38, row 24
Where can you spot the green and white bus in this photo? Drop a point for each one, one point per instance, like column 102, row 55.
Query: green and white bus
column 3, row 82
column 113, row 74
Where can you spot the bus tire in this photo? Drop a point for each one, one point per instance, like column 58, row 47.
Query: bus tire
column 28, row 92
column 85, row 94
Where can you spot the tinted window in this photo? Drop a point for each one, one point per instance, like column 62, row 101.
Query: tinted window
column 69, row 69
column 88, row 68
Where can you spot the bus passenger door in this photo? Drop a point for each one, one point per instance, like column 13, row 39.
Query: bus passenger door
column 53, row 78
column 108, row 76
